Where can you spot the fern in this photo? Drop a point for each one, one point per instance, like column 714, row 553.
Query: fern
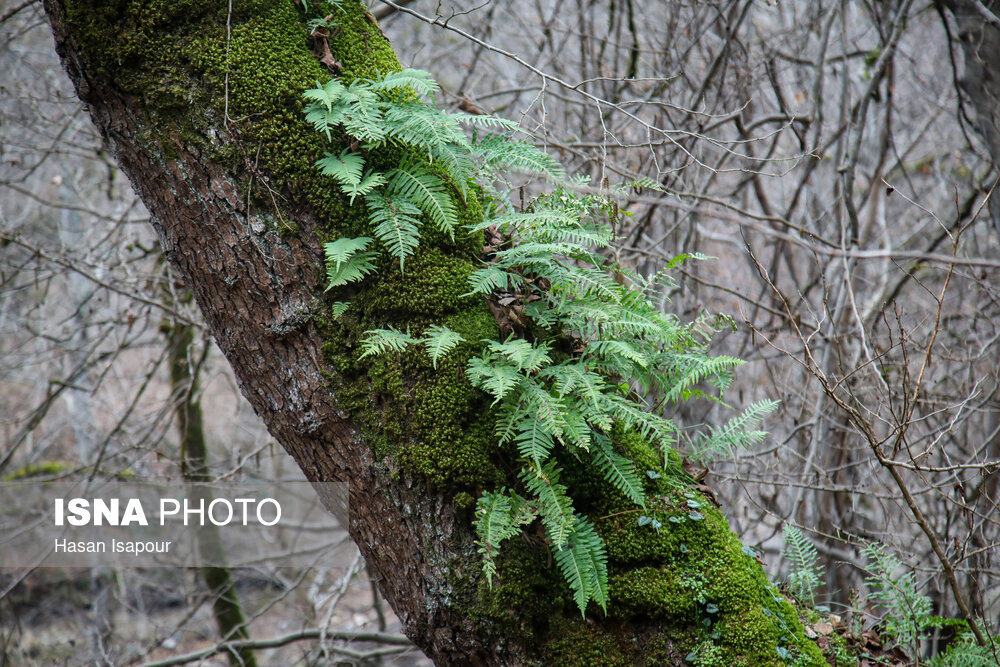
column 419, row 185
column 504, row 152
column 548, row 399
column 380, row 341
column 521, row 353
column 338, row 308
column 439, row 341
column 620, row 470
column 345, row 261
column 894, row 587
column 554, row 507
column 804, row 573
column 396, row 225
column 965, row 652
column 497, row 379
column 499, row 517
column 346, row 168
column 584, row 564
column 416, row 80
column 740, row 432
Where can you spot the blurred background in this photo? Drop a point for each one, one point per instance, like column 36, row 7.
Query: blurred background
column 833, row 159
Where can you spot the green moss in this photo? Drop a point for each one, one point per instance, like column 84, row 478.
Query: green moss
column 431, row 286
column 655, row 592
column 587, row 647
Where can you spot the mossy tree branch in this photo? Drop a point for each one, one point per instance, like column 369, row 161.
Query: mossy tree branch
column 203, row 110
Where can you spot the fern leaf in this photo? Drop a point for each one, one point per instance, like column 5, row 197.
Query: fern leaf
column 345, row 261
column 498, row 517
column 689, row 369
column 804, row 573
column 534, row 440
column 485, row 120
column 545, row 407
column 326, row 95
column 502, row 151
column 584, row 564
column 396, row 225
column 346, row 167
column 621, row 352
column 496, row 379
column 524, row 355
column 740, row 432
column 618, row 470
column 439, row 341
column 365, row 186
column 895, row 588
column 489, row 279
column 421, row 82
column 421, row 125
column 341, row 250
column 423, row 188
column 380, row 341
column 555, row 509
column 339, row 308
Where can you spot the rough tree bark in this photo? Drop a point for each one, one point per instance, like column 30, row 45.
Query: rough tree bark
column 200, row 101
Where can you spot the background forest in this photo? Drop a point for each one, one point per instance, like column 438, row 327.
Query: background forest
column 833, row 162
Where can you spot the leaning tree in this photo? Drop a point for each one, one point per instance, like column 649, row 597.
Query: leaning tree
column 402, row 327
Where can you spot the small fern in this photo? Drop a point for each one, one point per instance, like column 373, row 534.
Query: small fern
column 499, row 516
column 439, row 341
column 346, row 261
column 965, row 652
column 894, row 587
column 380, row 341
column 804, row 573
column 397, row 224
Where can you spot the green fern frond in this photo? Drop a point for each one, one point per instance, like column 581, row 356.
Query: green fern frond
column 419, row 185
column 740, row 432
column 576, row 379
column 485, row 120
column 525, row 356
column 622, row 353
column 496, row 379
column 345, row 261
column 439, row 341
column 421, row 82
column 489, row 279
column 499, row 516
column 804, row 572
column 326, row 95
column 346, row 167
column 421, row 125
column 543, row 406
column 894, row 587
column 555, row 509
column 534, row 440
column 618, row 470
column 380, row 341
column 505, row 152
column 339, row 308
column 364, row 187
column 690, row 369
column 965, row 652
column 397, row 224
column 583, row 562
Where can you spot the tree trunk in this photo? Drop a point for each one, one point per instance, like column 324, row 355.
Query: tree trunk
column 202, row 106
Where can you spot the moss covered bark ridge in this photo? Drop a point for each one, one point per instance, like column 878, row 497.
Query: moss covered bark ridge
column 233, row 95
